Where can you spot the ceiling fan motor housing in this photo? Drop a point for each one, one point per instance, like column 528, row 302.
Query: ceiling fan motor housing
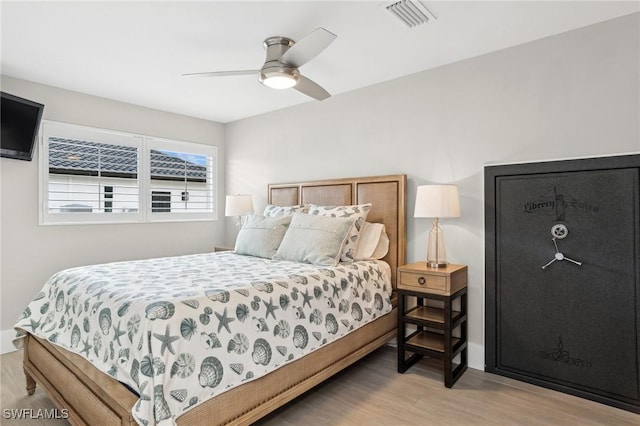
column 276, row 46
column 275, row 73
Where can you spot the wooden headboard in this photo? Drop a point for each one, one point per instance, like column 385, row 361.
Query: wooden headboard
column 387, row 194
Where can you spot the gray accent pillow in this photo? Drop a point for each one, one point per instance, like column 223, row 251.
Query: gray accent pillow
column 261, row 236
column 314, row 239
column 358, row 211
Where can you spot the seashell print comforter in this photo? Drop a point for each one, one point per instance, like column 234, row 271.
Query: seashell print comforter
column 181, row 330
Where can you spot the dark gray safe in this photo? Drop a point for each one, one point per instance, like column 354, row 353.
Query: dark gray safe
column 563, row 276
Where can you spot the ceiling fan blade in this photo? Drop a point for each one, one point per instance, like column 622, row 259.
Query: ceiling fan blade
column 308, row 48
column 311, row 88
column 221, row 73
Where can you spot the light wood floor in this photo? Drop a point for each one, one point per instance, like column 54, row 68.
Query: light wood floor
column 372, row 393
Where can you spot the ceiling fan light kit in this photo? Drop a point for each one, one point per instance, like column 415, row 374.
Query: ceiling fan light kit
column 284, row 57
column 279, row 78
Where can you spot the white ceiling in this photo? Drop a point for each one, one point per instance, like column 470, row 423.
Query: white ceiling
column 135, row 51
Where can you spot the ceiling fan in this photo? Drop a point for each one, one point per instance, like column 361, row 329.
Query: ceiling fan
column 284, row 57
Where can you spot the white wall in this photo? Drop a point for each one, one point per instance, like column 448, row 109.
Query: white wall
column 571, row 95
column 31, row 253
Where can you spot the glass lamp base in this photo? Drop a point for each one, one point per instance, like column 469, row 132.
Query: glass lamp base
column 436, row 257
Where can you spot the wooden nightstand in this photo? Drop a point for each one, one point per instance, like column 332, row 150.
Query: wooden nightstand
column 434, row 325
column 220, row 248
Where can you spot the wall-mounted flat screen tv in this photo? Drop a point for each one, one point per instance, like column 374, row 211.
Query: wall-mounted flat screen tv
column 20, row 120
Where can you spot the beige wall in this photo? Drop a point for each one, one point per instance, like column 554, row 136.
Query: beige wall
column 31, row 253
column 571, row 95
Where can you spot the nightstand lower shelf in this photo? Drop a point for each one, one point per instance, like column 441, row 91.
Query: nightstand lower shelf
column 431, row 343
column 425, row 343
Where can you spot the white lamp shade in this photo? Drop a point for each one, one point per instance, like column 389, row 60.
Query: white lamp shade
column 238, row 205
column 437, row 201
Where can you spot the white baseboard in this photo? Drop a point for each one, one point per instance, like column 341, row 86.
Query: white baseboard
column 6, row 341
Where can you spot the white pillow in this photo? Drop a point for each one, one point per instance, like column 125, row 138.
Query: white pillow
column 358, row 212
column 382, row 248
column 373, row 242
column 277, row 211
column 314, row 239
column 261, row 236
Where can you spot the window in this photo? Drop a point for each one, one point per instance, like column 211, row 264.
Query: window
column 183, row 175
column 108, row 199
column 98, row 176
column 160, row 201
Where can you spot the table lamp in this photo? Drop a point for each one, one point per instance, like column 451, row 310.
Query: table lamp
column 238, row 205
column 437, row 201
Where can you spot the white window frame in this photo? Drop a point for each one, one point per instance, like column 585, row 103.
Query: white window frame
column 144, row 144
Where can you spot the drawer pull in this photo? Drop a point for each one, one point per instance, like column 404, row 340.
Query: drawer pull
column 421, row 281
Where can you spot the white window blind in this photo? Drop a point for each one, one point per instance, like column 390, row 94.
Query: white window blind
column 99, row 176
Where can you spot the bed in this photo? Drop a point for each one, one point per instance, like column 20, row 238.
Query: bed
column 92, row 397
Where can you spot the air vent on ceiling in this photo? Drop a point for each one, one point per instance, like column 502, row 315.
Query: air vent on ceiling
column 410, row 12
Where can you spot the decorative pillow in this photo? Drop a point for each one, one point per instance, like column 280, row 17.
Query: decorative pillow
column 276, row 211
column 261, row 236
column 314, row 239
column 373, row 242
column 359, row 212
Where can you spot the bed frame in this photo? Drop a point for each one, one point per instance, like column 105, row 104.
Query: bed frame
column 92, row 397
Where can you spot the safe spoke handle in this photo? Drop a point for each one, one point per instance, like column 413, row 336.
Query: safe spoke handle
column 559, row 256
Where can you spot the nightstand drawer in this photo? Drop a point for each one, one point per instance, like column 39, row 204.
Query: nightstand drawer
column 445, row 280
column 430, row 282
